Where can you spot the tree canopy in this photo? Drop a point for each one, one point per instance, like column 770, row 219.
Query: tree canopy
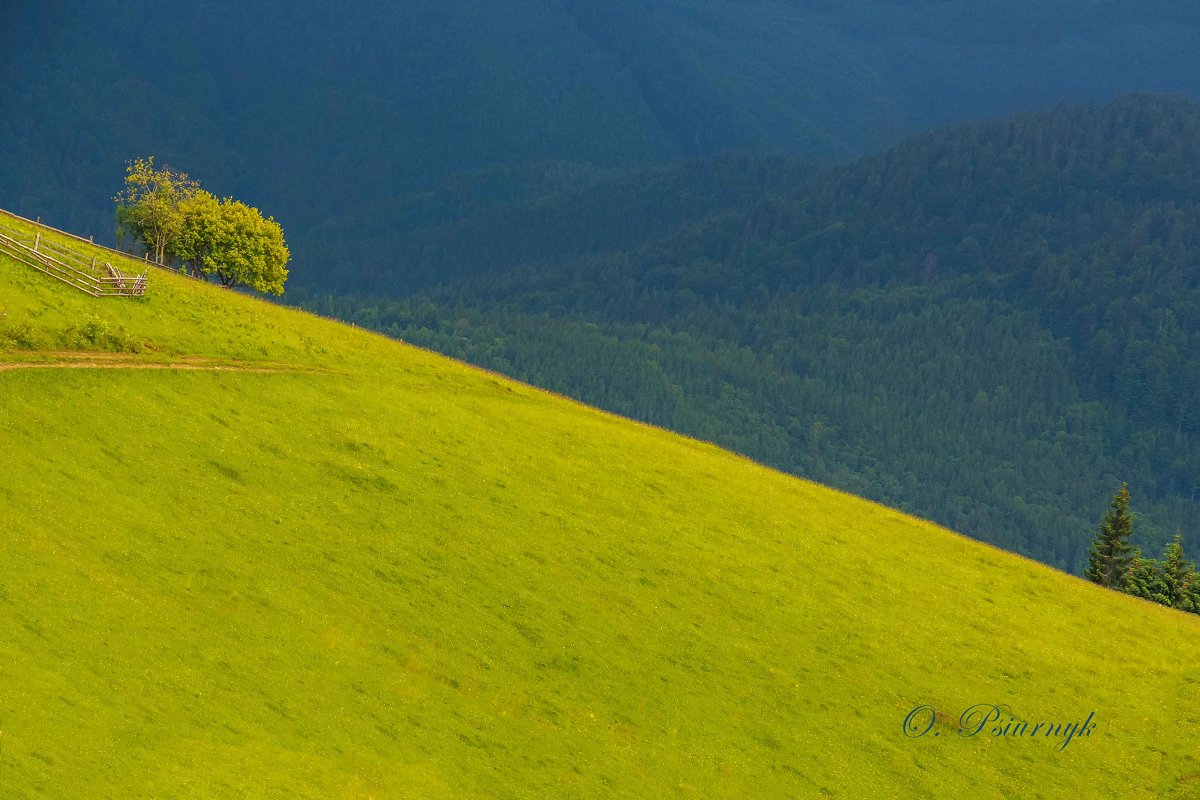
column 233, row 242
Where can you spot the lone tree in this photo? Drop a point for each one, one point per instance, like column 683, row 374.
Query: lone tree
column 1111, row 554
column 232, row 241
column 149, row 205
column 179, row 221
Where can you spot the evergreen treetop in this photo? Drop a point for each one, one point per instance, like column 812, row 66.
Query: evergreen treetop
column 1111, row 554
column 1178, row 577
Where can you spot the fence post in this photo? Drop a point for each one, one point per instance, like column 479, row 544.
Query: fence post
column 92, row 239
column 37, row 240
column 93, row 262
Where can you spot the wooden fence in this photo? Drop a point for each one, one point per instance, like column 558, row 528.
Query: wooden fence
column 90, row 240
column 73, row 269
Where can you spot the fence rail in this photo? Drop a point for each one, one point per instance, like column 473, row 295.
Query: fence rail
column 70, row 267
column 90, row 240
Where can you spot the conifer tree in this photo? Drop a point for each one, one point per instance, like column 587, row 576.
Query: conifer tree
column 1111, row 555
column 1178, row 577
column 1144, row 578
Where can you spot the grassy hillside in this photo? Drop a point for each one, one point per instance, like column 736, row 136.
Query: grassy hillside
column 318, row 563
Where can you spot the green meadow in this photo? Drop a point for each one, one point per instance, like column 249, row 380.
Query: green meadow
column 248, row 552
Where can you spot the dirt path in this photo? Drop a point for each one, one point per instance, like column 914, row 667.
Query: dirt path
column 71, row 360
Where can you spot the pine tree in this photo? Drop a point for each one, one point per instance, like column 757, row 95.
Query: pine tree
column 1144, row 579
column 1179, row 576
column 1111, row 554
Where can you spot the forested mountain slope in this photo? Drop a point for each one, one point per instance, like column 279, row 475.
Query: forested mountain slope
column 991, row 325
column 326, row 114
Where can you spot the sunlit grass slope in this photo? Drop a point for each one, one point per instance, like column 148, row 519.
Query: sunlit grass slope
column 374, row 572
